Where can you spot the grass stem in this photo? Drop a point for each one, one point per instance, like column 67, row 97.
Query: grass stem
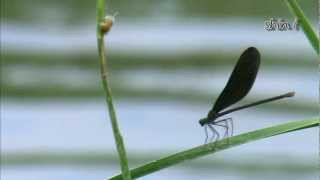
column 104, row 76
column 305, row 24
column 213, row 147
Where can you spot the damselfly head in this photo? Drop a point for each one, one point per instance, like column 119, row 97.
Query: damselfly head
column 203, row 121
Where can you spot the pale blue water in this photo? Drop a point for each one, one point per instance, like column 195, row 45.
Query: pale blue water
column 152, row 125
column 269, row 81
column 161, row 37
column 82, row 125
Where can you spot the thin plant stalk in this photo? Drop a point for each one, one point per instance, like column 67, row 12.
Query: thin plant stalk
column 104, row 76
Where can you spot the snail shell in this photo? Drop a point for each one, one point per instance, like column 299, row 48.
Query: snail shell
column 106, row 24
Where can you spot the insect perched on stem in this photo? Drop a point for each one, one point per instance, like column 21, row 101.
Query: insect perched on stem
column 238, row 86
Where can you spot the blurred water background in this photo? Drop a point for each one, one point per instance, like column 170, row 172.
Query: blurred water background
column 168, row 61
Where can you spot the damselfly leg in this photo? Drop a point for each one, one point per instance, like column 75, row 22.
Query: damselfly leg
column 215, row 134
column 226, row 124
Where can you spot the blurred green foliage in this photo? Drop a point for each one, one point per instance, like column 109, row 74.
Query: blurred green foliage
column 74, row 12
column 248, row 164
column 125, row 60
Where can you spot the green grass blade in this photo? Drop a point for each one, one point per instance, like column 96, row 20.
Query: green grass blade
column 218, row 146
column 103, row 70
column 305, row 24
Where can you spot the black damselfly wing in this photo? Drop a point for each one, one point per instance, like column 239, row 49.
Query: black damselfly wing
column 240, row 81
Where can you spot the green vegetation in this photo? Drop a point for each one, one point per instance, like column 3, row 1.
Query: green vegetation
column 108, row 95
column 220, row 145
column 72, row 12
column 305, row 24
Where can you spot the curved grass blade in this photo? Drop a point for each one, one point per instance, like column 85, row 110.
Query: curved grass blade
column 305, row 24
column 219, row 146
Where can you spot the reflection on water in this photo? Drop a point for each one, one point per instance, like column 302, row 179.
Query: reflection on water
column 141, row 37
column 169, row 125
column 81, row 125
